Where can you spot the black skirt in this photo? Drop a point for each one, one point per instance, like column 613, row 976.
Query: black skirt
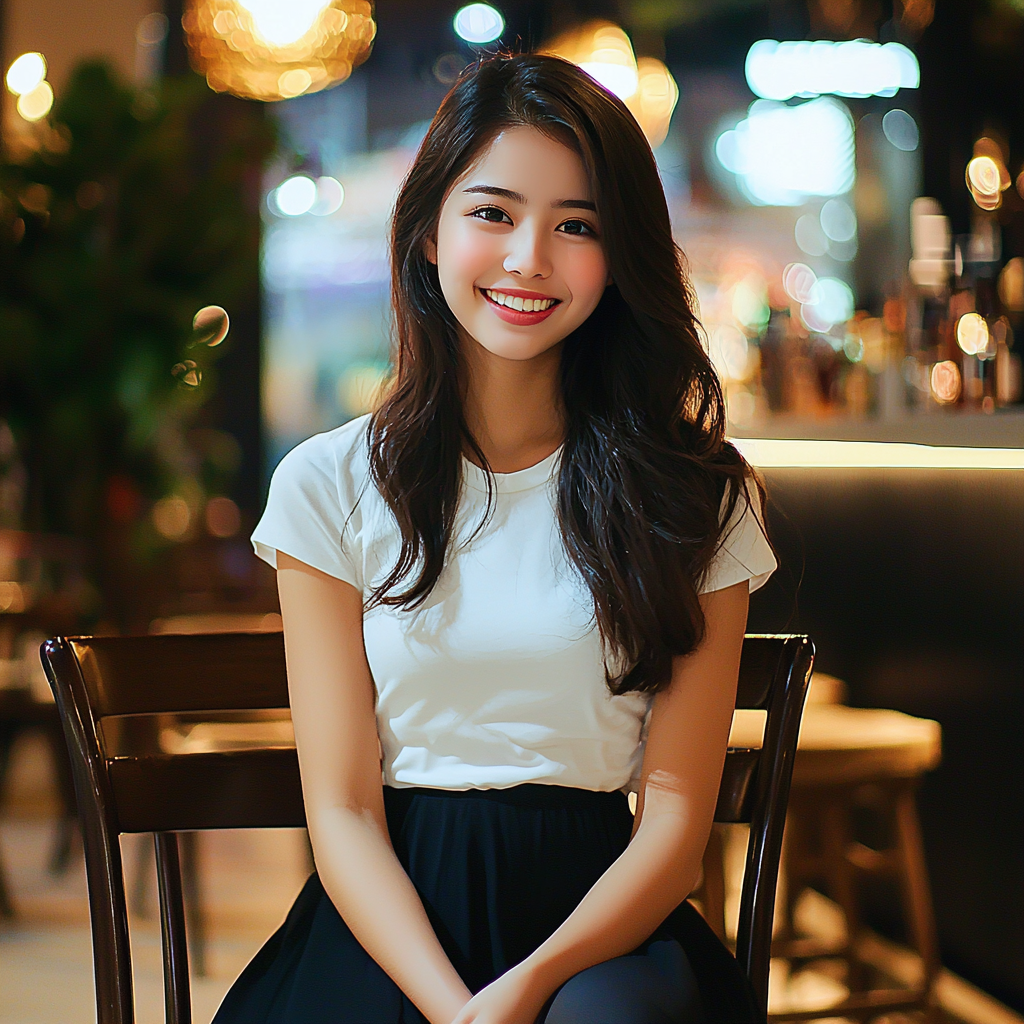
column 498, row 871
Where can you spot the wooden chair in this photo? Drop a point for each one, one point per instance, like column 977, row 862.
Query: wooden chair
column 97, row 681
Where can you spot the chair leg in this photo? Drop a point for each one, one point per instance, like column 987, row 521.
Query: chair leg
column 835, row 821
column 192, row 883
column 917, row 898
column 177, row 997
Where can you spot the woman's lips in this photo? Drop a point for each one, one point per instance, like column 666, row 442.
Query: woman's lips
column 520, row 317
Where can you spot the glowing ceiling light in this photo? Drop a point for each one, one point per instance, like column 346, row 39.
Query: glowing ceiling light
column 782, row 155
column 479, row 23
column 271, row 50
column 780, row 71
column 283, row 23
column 25, row 73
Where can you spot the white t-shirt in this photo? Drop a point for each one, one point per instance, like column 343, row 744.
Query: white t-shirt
column 498, row 678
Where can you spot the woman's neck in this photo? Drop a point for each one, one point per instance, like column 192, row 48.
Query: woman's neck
column 513, row 407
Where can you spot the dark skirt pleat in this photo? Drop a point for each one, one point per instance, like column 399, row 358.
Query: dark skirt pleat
column 498, row 871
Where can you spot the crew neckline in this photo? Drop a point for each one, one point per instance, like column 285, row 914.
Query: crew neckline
column 520, row 480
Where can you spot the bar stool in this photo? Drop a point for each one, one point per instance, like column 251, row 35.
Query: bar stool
column 848, row 758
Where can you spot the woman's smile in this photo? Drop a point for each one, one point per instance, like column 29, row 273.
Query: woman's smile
column 522, row 308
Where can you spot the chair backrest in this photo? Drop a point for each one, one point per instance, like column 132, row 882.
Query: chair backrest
column 101, row 681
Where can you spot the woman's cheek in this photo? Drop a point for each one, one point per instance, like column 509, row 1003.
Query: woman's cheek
column 467, row 255
column 590, row 275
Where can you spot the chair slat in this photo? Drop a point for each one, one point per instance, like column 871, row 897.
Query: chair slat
column 229, row 789
column 156, row 674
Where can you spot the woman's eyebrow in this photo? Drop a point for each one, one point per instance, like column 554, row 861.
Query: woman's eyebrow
column 518, row 197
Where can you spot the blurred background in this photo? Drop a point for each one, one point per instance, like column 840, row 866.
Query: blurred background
column 194, row 201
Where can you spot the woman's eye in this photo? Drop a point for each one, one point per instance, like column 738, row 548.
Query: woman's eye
column 492, row 214
column 577, row 227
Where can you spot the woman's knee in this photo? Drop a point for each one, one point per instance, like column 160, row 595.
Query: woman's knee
column 655, row 987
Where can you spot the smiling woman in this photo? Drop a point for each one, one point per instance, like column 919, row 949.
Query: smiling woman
column 514, row 593
column 532, row 255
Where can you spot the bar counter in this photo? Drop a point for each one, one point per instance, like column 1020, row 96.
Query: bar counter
column 911, row 582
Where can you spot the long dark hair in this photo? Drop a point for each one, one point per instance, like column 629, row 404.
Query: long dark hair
column 644, row 465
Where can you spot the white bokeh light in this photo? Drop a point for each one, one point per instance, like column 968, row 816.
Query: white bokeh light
column 26, row 73
column 479, row 23
column 782, row 155
column 295, row 196
column 780, row 71
column 329, row 197
column 831, row 302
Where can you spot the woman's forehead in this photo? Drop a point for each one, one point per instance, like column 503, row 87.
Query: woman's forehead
column 531, row 162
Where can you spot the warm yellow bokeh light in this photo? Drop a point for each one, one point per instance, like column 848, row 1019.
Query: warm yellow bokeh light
column 972, row 333
column 26, row 73
column 36, row 104
column 267, row 50
column 646, row 86
column 983, row 175
column 945, row 382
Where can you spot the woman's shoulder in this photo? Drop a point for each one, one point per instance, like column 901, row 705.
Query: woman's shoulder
column 340, row 454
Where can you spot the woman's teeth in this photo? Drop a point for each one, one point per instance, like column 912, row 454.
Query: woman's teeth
column 515, row 302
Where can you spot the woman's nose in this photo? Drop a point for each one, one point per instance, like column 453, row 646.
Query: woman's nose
column 527, row 255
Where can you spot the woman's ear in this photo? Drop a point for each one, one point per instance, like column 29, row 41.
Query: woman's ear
column 430, row 250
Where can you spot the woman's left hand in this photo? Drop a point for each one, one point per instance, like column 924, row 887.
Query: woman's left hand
column 514, row 998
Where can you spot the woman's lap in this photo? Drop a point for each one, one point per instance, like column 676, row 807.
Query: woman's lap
column 497, row 874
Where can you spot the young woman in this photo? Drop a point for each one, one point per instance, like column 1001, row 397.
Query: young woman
column 512, row 594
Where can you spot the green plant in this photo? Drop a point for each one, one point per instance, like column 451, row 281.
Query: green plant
column 132, row 210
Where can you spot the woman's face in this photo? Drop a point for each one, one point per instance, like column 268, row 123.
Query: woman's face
column 518, row 251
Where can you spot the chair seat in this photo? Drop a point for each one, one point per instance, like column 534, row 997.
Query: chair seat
column 841, row 746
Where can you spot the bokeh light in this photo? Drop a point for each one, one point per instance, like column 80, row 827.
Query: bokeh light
column 646, row 86
column 831, row 302
column 295, row 195
column 809, row 235
column 782, row 155
column 26, row 73
column 172, row 517
column 782, row 71
column 223, row 518
column 187, row 373
column 210, row 326
column 1011, row 284
column 987, row 176
column 479, row 23
column 799, row 280
column 972, row 333
column 901, row 130
column 945, row 382
column 838, row 221
column 269, row 50
column 36, row 104
column 329, row 197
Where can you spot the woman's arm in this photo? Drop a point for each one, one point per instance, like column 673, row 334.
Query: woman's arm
column 682, row 771
column 332, row 701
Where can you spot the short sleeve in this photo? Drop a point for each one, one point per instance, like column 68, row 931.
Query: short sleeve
column 311, row 511
column 744, row 552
